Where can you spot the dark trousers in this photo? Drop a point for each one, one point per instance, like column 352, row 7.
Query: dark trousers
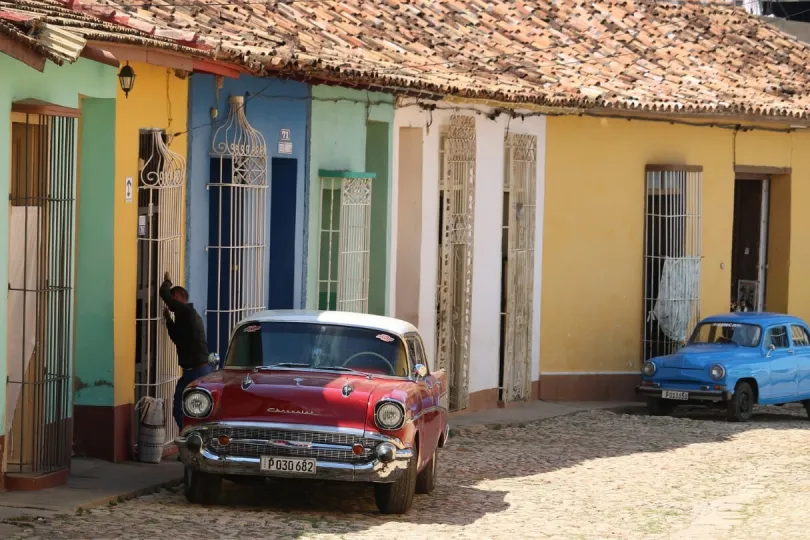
column 188, row 377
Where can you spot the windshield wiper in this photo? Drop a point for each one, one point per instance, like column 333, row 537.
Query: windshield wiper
column 284, row 364
column 336, row 368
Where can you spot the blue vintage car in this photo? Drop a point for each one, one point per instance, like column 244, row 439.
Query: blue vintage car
column 733, row 361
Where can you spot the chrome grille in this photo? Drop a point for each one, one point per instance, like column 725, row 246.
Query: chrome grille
column 256, row 442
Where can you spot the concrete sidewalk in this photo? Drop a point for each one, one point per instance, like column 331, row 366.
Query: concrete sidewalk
column 92, row 482
column 531, row 411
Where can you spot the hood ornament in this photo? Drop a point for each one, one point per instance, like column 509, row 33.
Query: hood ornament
column 347, row 390
column 246, row 382
column 298, row 381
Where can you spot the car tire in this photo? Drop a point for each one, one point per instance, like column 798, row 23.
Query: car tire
column 659, row 407
column 741, row 406
column 397, row 497
column 426, row 481
column 806, row 404
column 202, row 487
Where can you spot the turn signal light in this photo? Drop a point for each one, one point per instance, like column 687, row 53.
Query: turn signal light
column 224, row 440
column 357, row 449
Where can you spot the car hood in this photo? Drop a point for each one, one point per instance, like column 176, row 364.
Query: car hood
column 703, row 356
column 295, row 397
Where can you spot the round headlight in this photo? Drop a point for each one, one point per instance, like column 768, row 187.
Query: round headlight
column 718, row 372
column 648, row 369
column 390, row 415
column 197, row 404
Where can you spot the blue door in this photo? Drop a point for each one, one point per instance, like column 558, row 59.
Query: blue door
column 800, row 338
column 782, row 366
column 284, row 186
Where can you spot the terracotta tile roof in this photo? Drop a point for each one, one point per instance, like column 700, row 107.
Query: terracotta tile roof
column 643, row 55
column 21, row 19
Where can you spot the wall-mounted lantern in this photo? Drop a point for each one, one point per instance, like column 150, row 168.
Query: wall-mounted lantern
column 127, row 79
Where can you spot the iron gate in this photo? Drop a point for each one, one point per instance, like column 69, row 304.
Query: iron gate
column 162, row 173
column 672, row 257
column 237, row 282
column 519, row 191
column 343, row 260
column 457, row 192
column 40, row 292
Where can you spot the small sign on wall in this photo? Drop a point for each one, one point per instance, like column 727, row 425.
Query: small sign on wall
column 284, row 142
column 141, row 225
column 128, row 190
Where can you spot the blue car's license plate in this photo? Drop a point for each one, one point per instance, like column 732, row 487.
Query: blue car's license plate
column 671, row 394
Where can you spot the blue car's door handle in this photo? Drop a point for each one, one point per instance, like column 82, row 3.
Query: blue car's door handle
column 790, row 351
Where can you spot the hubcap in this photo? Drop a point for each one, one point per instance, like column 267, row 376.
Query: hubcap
column 745, row 403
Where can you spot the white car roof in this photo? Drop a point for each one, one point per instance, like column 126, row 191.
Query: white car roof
column 343, row 318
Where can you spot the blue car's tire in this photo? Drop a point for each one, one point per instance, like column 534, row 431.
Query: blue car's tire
column 741, row 406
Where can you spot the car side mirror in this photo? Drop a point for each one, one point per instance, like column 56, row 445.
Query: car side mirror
column 419, row 371
column 771, row 348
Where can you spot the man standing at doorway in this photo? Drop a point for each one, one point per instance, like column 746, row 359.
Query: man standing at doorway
column 188, row 334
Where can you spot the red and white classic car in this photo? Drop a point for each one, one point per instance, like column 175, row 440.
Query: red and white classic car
column 319, row 395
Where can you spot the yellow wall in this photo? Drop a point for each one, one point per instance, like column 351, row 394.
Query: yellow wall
column 159, row 99
column 593, row 243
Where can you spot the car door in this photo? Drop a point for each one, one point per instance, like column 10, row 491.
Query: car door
column 429, row 436
column 782, row 365
column 800, row 338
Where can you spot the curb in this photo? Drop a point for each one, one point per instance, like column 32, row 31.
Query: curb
column 475, row 428
column 112, row 500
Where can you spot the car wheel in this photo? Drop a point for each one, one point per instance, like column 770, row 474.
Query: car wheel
column 203, row 488
column 806, row 404
column 426, row 481
column 397, row 497
column 187, row 482
column 659, row 407
column 741, row 406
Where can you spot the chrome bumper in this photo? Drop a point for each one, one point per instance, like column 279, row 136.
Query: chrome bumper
column 390, row 462
column 694, row 395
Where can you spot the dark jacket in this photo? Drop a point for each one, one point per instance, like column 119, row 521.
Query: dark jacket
column 187, row 331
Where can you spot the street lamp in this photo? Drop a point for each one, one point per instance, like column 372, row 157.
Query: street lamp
column 127, row 79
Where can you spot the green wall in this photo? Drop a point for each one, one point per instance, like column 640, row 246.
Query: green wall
column 378, row 160
column 60, row 86
column 94, row 277
column 342, row 121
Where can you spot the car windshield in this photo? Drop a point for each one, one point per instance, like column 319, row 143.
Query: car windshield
column 319, row 346
column 744, row 335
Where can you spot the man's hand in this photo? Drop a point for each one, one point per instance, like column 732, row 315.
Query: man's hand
column 166, row 313
column 166, row 276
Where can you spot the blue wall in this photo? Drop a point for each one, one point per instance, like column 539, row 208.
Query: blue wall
column 271, row 105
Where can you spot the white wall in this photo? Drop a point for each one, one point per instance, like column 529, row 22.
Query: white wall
column 490, row 135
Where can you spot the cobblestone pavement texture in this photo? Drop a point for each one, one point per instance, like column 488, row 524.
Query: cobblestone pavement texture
column 584, row 476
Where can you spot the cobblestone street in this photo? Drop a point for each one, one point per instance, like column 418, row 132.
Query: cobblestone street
column 589, row 475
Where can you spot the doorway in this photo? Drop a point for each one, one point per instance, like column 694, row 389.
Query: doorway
column 749, row 244
column 283, row 204
column 41, row 262
column 161, row 175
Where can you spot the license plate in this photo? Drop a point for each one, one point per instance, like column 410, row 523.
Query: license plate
column 291, row 465
column 670, row 394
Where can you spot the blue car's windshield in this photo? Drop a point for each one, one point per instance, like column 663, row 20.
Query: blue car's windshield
column 744, row 335
column 319, row 346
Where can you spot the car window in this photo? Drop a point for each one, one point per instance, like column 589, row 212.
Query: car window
column 316, row 345
column 800, row 336
column 777, row 336
column 422, row 354
column 744, row 335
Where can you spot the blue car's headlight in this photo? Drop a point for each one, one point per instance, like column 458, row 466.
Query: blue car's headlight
column 717, row 372
column 649, row 369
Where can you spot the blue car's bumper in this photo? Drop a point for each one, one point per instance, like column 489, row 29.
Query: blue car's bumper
column 693, row 395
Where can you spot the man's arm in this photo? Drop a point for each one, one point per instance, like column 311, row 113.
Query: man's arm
column 170, row 325
column 166, row 294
